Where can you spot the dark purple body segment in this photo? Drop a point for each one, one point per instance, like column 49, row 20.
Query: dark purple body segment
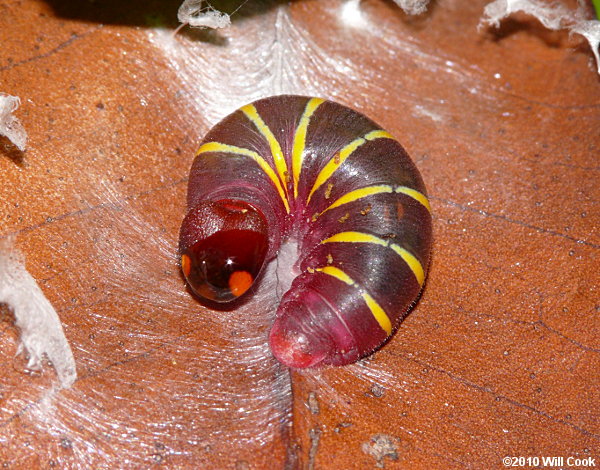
column 346, row 191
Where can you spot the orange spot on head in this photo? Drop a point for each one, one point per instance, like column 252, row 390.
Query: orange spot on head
column 240, row 282
column 186, row 265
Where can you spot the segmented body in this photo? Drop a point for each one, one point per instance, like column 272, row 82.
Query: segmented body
column 351, row 196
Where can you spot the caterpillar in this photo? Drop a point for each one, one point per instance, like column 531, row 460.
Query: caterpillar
column 314, row 171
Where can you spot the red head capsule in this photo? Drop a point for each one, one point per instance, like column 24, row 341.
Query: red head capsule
column 223, row 245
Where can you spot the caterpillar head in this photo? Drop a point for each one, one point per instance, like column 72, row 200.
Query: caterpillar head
column 222, row 245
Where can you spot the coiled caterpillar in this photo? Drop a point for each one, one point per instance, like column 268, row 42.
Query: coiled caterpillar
column 316, row 171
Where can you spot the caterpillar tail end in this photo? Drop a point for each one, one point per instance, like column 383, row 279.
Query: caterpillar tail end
column 295, row 346
column 307, row 333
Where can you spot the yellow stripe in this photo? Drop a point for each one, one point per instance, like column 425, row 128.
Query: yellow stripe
column 376, row 310
column 413, row 263
column 359, row 194
column 300, row 140
column 378, row 189
column 415, row 195
column 378, row 313
column 337, row 273
column 360, row 237
column 264, row 166
column 251, row 113
column 332, row 165
column 355, row 237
